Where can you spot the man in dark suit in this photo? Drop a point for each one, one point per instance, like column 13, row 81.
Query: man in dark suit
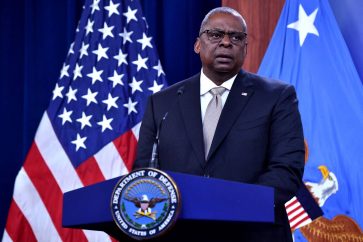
column 258, row 138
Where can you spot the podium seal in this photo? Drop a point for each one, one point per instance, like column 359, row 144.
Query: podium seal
column 145, row 203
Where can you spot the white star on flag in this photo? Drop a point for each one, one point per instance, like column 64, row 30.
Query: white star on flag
column 57, row 92
column 89, row 26
column 159, row 68
column 116, row 79
column 155, row 88
column 71, row 51
column 83, row 50
column 145, row 41
column 90, row 97
column 79, row 142
column 95, row 6
column 140, row 62
column 110, row 102
column 130, row 14
column 126, row 36
column 71, row 95
column 106, row 31
column 121, row 58
column 65, row 116
column 130, row 106
column 112, row 9
column 95, row 75
column 77, row 71
column 135, row 85
column 105, row 123
column 64, row 71
column 84, row 120
column 305, row 24
column 101, row 52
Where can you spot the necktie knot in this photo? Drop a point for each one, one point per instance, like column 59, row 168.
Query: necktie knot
column 217, row 91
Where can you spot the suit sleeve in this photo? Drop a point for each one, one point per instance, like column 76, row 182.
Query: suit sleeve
column 286, row 153
column 146, row 137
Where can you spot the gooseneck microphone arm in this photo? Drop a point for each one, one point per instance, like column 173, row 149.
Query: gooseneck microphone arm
column 154, row 161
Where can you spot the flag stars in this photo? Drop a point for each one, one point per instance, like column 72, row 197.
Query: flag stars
column 64, row 71
column 121, row 58
column 71, row 51
column 155, row 88
column 95, row 75
column 110, row 102
column 89, row 27
column 135, row 85
column 106, row 31
column 112, row 9
column 159, row 68
column 101, row 52
column 105, row 123
column 77, row 71
column 83, row 50
column 71, row 95
column 140, row 62
column 305, row 24
column 130, row 106
column 57, row 92
column 66, row 116
column 90, row 97
column 145, row 41
column 95, row 6
column 126, row 36
column 84, row 120
column 116, row 79
column 79, row 142
column 130, row 14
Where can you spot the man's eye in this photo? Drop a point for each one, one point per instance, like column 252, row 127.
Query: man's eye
column 236, row 37
column 216, row 35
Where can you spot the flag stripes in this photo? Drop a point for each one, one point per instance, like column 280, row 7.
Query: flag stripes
column 27, row 233
column 296, row 214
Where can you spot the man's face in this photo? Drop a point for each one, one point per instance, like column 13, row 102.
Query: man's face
column 223, row 56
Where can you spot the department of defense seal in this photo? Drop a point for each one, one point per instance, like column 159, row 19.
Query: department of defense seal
column 145, row 203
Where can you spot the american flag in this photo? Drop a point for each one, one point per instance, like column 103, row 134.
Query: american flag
column 90, row 130
column 302, row 209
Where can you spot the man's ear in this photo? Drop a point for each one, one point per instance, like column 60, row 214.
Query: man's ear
column 197, row 46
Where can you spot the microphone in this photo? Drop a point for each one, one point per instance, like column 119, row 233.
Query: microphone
column 154, row 161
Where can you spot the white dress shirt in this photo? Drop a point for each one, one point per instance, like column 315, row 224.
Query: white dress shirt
column 205, row 96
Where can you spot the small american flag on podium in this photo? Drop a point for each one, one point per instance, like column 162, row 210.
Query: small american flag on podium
column 302, row 209
column 90, row 130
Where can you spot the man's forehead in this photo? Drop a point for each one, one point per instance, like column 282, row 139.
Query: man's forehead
column 225, row 21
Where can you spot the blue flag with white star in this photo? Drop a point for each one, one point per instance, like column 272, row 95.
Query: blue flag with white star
column 308, row 51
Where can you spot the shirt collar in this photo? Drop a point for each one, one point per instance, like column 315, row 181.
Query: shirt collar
column 207, row 84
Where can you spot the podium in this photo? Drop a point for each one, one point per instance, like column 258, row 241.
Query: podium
column 203, row 199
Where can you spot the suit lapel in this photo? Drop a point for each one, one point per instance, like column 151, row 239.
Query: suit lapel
column 238, row 97
column 190, row 108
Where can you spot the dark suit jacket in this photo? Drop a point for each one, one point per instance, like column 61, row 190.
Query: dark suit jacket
column 258, row 140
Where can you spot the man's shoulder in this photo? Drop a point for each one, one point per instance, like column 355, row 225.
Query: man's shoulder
column 177, row 88
column 264, row 83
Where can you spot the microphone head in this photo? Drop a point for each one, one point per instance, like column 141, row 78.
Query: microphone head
column 180, row 91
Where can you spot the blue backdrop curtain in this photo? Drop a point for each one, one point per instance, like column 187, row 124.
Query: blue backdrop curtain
column 34, row 40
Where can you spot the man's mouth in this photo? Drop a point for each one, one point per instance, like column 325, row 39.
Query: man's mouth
column 224, row 57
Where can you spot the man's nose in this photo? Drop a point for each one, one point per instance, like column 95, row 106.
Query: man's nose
column 226, row 40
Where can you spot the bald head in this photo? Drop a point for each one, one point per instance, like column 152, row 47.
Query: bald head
column 223, row 10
